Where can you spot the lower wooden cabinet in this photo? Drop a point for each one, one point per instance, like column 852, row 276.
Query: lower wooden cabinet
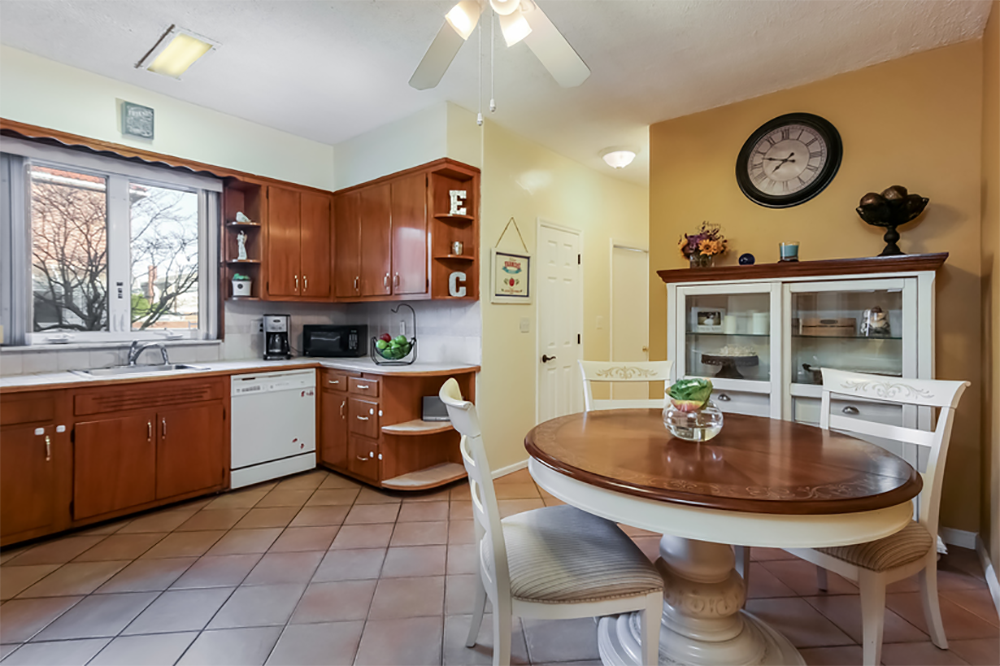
column 333, row 428
column 364, row 458
column 188, row 451
column 114, row 464
column 363, row 417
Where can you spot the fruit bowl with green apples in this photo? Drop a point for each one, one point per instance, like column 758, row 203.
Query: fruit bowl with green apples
column 399, row 350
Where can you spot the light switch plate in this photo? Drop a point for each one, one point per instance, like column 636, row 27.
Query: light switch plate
column 525, row 324
column 600, row 322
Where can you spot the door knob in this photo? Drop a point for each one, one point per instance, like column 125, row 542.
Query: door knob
column 546, row 359
column 645, row 348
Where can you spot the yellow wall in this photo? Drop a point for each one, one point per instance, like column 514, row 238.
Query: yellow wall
column 526, row 181
column 916, row 122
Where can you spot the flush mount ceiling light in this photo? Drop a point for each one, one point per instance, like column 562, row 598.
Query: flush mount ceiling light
column 618, row 158
column 175, row 52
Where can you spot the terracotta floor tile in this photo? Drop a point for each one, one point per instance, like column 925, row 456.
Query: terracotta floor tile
column 512, row 506
column 436, row 495
column 650, row 546
column 802, row 624
column 184, row 544
column 121, row 547
column 333, row 497
column 305, row 481
column 801, row 577
column 155, row 650
column 460, row 510
column 11, row 553
column 637, row 531
column 14, row 580
column 217, row 571
column 978, row 602
column 456, row 628
column 334, row 481
column 560, row 640
column 63, row 653
column 521, row 476
column 240, row 499
column 75, row 578
column 552, row 501
column 180, row 610
column 226, row 647
column 977, row 651
column 423, row 512
column 510, row 491
column 372, row 496
column 845, row 612
column 317, row 644
column 414, row 561
column 372, row 513
column 98, row 616
column 159, row 521
column 278, row 516
column 958, row 622
column 462, row 559
column 461, row 531
column 104, row 529
column 147, row 575
column 221, row 519
column 764, row 584
column 420, row 534
column 20, row 619
column 415, row 641
column 243, row 542
column 350, row 565
column 843, row 655
column 296, row 539
column 769, row 554
column 335, row 602
column 460, row 594
column 408, row 597
column 276, row 497
column 924, row 654
column 462, row 493
column 319, row 516
column 963, row 559
column 276, row 568
column 363, row 536
column 258, row 606
column 58, row 551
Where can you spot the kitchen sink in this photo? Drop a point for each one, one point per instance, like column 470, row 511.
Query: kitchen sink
column 136, row 369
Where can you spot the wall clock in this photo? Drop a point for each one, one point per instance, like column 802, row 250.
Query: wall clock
column 789, row 160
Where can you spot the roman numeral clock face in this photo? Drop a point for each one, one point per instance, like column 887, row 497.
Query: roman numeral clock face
column 789, row 160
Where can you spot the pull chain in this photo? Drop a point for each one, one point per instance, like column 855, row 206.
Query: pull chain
column 493, row 42
column 479, row 116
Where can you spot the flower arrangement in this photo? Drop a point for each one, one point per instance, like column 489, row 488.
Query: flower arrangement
column 702, row 247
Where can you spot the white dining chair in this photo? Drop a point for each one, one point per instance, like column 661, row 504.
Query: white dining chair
column 554, row 563
column 913, row 550
column 596, row 372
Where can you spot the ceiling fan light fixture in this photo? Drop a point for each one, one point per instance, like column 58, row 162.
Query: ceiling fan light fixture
column 175, row 52
column 618, row 158
column 463, row 17
column 514, row 27
column 505, row 7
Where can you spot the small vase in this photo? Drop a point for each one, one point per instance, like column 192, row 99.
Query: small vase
column 698, row 426
column 701, row 260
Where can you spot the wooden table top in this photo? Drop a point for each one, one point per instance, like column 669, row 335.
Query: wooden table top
column 755, row 464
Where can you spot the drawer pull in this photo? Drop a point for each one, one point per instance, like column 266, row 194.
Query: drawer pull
column 296, row 283
column 853, row 411
column 362, row 418
column 305, row 283
column 361, row 459
column 363, row 387
column 48, row 449
column 724, row 398
column 333, row 381
column 342, row 405
column 356, row 284
column 149, row 431
column 163, row 427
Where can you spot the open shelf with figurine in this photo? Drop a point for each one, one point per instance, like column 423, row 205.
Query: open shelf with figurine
column 242, row 209
column 454, row 232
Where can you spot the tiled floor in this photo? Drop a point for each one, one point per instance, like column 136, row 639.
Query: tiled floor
column 318, row 570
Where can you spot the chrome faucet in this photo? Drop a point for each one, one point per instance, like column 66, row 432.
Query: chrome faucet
column 136, row 349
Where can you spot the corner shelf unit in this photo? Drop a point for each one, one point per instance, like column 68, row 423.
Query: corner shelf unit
column 247, row 198
column 447, row 228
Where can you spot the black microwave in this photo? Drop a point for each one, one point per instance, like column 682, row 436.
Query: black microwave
column 334, row 341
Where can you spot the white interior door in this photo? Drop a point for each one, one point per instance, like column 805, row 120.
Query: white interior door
column 560, row 322
column 629, row 315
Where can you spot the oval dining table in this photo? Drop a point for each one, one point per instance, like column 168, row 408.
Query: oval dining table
column 760, row 482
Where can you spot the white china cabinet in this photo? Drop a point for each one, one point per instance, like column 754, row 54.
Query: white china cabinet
column 761, row 333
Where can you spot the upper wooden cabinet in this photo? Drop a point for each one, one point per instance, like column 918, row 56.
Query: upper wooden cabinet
column 376, row 230
column 409, row 234
column 298, row 244
column 347, row 244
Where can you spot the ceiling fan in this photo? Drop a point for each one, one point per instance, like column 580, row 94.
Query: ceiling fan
column 519, row 20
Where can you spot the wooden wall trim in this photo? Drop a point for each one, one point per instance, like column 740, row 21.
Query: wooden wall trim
column 436, row 165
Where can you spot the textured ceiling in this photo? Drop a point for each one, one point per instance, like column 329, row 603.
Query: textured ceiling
column 331, row 70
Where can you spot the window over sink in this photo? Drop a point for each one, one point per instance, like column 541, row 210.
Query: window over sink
column 104, row 249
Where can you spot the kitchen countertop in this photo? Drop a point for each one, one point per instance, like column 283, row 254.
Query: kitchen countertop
column 67, row 379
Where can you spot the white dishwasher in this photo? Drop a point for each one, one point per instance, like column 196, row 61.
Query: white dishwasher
column 273, row 425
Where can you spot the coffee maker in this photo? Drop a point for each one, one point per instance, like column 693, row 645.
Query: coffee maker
column 276, row 331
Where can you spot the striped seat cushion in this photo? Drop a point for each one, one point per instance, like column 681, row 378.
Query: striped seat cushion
column 909, row 544
column 560, row 554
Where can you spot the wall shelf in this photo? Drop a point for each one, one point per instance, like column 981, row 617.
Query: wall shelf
column 454, row 218
column 244, row 225
column 431, row 477
column 242, row 261
column 455, row 257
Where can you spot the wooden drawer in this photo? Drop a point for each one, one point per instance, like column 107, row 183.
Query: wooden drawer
column 807, row 410
column 363, row 458
column 145, row 395
column 333, row 380
column 363, row 417
column 29, row 408
column 364, row 386
column 742, row 402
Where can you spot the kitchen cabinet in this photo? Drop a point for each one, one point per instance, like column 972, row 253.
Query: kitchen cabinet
column 363, row 459
column 298, row 244
column 376, row 230
column 114, row 464
column 333, row 420
column 188, row 457
column 363, row 417
column 409, row 234
column 347, row 244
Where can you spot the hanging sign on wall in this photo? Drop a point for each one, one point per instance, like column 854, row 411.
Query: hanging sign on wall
column 510, row 272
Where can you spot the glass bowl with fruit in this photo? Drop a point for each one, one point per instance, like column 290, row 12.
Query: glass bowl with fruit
column 689, row 414
column 399, row 350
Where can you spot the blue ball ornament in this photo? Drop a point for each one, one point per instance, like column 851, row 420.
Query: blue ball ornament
column 747, row 259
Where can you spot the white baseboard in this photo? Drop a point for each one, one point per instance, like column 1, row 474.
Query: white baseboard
column 510, row 469
column 960, row 538
column 991, row 573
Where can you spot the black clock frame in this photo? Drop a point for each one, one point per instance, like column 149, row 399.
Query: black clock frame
column 835, row 152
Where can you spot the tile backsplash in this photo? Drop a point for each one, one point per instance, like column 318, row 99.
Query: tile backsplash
column 445, row 332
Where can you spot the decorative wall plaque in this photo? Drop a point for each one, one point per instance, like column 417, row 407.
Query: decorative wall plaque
column 137, row 120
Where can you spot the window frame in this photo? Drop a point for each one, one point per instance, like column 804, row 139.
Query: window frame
column 119, row 173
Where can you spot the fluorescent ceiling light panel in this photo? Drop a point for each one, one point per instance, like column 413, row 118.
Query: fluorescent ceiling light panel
column 463, row 17
column 176, row 51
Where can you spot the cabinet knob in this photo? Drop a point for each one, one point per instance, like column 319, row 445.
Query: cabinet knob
column 724, row 398
column 853, row 411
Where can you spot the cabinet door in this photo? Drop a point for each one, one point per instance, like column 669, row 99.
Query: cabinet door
column 282, row 242
column 409, row 235
column 316, row 263
column 363, row 462
column 189, row 449
column 376, row 228
column 347, row 244
column 333, row 428
column 27, row 478
column 114, row 464
column 362, row 417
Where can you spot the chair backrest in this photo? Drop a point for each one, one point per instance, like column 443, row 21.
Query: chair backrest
column 490, row 547
column 623, row 371
column 931, row 393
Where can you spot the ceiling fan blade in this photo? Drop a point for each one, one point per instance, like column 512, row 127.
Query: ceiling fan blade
column 556, row 54
column 439, row 55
